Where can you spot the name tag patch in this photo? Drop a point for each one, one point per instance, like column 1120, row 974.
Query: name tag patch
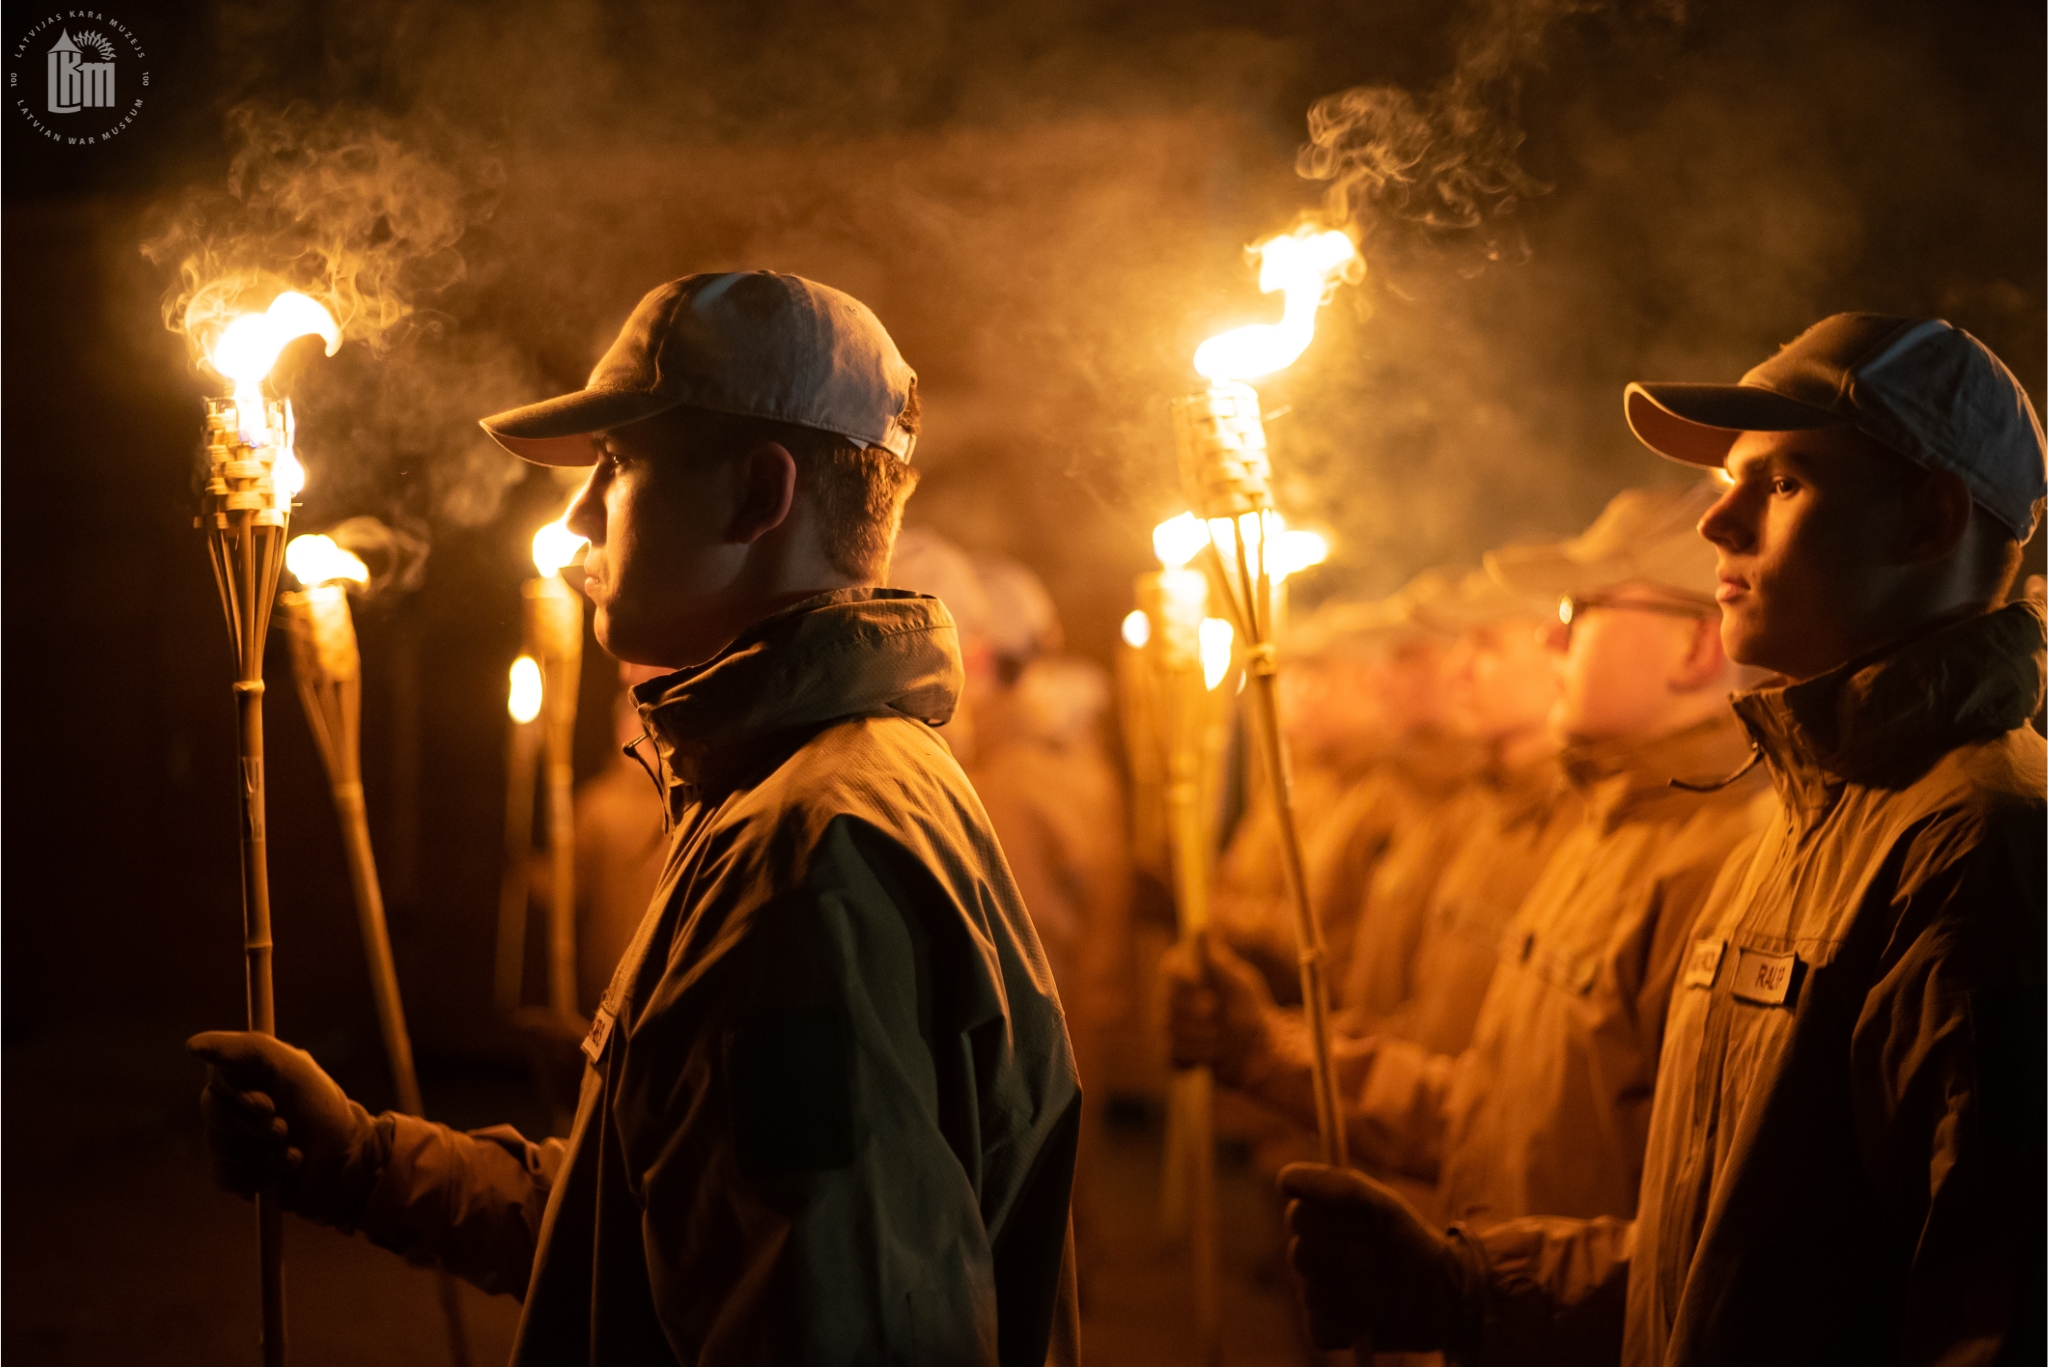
column 1703, row 965
column 600, row 1031
column 1767, row 979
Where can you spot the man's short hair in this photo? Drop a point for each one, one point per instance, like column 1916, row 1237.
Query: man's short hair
column 858, row 491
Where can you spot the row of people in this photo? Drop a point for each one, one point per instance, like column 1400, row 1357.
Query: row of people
column 1756, row 1074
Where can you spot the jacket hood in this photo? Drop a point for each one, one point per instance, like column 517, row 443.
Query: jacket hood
column 1620, row 778
column 848, row 653
column 1884, row 720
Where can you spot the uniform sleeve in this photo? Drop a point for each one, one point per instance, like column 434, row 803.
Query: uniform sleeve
column 471, row 1203
column 1390, row 1093
column 1555, row 1290
column 1949, row 1065
column 820, row 1159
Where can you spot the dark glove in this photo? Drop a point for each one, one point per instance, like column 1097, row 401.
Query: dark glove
column 1219, row 1011
column 1370, row 1267
column 272, row 1116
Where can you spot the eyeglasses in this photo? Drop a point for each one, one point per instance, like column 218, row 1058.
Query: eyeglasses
column 1574, row 606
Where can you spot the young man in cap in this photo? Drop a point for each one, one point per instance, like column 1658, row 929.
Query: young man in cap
column 1845, row 1151
column 830, row 1111
column 1547, row 1109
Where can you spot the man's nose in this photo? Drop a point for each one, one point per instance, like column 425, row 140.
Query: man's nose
column 586, row 511
column 1723, row 524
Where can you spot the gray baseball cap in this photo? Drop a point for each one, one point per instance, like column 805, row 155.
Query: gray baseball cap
column 1929, row 391
column 751, row 343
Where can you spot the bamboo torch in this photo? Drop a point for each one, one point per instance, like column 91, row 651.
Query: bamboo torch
column 252, row 476
column 328, row 667
column 1227, row 475
column 553, row 620
column 1189, row 654
column 523, row 704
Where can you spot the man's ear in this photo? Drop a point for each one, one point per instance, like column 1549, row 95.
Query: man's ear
column 1704, row 663
column 766, row 479
column 1937, row 519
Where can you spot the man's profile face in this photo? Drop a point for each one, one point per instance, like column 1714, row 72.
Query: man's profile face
column 660, row 568
column 1804, row 536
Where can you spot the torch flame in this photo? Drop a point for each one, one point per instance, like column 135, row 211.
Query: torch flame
column 555, row 546
column 249, row 346
column 1215, row 636
column 1179, row 540
column 523, row 702
column 317, row 560
column 1306, row 264
column 1137, row 629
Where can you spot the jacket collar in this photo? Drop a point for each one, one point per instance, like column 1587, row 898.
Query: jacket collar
column 1624, row 778
column 848, row 653
column 1884, row 720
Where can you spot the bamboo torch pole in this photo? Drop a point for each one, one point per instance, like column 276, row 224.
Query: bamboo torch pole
column 554, row 637
column 1175, row 601
column 245, row 515
column 524, row 702
column 328, row 667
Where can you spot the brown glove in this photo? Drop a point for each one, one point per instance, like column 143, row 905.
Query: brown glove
column 1220, row 1012
column 272, row 1116
column 1370, row 1267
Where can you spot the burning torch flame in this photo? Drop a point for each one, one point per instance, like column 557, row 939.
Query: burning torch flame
column 1306, row 265
column 315, row 560
column 555, row 546
column 251, row 344
column 1215, row 636
column 1137, row 629
column 1179, row 540
column 523, row 702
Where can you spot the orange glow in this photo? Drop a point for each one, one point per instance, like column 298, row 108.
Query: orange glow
column 1178, row 540
column 555, row 546
column 524, row 699
column 1305, row 265
column 317, row 560
column 1216, row 637
column 1137, row 629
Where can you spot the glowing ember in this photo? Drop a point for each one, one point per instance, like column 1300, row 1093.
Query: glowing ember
column 317, row 560
column 1215, row 637
column 523, row 702
column 555, row 546
column 1306, row 264
column 1178, row 540
column 250, row 345
column 1137, row 628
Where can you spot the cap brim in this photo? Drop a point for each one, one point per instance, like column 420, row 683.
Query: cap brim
column 1697, row 423
column 1543, row 571
column 561, row 431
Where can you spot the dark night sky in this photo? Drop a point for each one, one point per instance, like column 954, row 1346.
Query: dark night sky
column 1046, row 204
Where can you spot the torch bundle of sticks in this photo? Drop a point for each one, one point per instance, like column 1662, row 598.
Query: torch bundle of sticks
column 246, row 508
column 328, row 667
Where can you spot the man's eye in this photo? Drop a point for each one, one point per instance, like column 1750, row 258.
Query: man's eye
column 1783, row 486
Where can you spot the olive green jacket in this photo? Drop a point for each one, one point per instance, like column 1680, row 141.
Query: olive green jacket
column 1845, row 1160
column 831, row 1110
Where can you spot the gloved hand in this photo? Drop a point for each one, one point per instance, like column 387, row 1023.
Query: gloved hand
column 272, row 1115
column 1219, row 1011
column 1370, row 1267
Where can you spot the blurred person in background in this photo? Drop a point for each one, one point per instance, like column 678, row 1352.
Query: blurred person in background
column 1501, row 683
column 1844, row 1158
column 1548, row 1107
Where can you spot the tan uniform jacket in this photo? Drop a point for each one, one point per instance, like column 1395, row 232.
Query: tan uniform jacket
column 1517, row 820
column 1373, row 920
column 1549, row 1108
column 831, row 1110
column 1845, row 1160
